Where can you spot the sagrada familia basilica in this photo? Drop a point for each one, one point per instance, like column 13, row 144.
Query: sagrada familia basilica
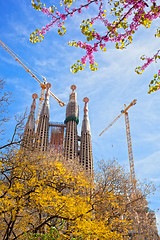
column 76, row 150
column 49, row 135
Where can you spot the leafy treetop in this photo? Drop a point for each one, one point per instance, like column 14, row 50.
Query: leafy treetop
column 121, row 19
column 40, row 192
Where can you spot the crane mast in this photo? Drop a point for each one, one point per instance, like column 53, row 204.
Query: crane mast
column 130, row 152
column 42, row 84
column 129, row 143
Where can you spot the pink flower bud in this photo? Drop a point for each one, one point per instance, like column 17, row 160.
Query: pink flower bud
column 63, row 16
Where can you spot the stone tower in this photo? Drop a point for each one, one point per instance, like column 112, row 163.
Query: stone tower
column 86, row 158
column 42, row 134
column 71, row 121
column 29, row 132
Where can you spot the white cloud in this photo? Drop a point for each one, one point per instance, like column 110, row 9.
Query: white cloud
column 150, row 165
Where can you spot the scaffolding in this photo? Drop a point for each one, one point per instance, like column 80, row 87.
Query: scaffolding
column 56, row 137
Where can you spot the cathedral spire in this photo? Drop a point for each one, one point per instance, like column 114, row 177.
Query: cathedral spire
column 86, row 158
column 71, row 121
column 42, row 134
column 29, row 131
column 86, row 123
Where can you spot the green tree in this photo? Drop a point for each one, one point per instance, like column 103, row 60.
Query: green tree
column 106, row 22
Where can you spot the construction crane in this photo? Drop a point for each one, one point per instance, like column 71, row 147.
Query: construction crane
column 42, row 84
column 129, row 143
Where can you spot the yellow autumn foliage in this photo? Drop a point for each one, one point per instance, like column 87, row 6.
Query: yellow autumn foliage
column 40, row 191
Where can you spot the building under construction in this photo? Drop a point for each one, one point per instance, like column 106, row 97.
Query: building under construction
column 61, row 138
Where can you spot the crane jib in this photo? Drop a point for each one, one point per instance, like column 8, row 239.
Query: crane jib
column 30, row 72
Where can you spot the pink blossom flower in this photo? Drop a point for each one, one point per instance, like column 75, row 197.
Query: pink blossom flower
column 98, row 36
column 95, row 47
column 79, row 43
column 67, row 9
column 102, row 45
column 91, row 59
column 80, row 10
column 63, row 16
column 84, row 59
column 57, row 13
column 92, row 20
column 106, row 38
column 60, row 25
column 47, row 27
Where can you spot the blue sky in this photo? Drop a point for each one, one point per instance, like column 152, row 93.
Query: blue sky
column 113, row 85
